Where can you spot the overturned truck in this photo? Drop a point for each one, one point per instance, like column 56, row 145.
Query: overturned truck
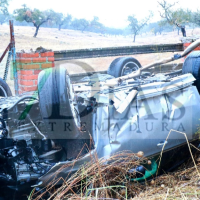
column 126, row 109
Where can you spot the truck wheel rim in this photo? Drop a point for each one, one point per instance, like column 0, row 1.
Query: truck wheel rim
column 129, row 68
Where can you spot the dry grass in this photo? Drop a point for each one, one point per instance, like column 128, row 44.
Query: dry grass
column 108, row 178
column 182, row 184
column 108, row 174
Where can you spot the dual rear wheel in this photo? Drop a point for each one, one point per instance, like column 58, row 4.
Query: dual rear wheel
column 192, row 65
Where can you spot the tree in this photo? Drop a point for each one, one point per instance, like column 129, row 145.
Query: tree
column 136, row 25
column 4, row 6
column 61, row 19
column 195, row 19
column 156, row 28
column 75, row 24
column 177, row 17
column 96, row 26
column 35, row 16
column 80, row 24
column 3, row 11
column 166, row 26
column 3, row 18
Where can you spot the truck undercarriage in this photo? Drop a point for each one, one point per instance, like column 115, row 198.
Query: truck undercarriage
column 41, row 132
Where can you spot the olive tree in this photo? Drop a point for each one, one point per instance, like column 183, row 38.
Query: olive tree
column 4, row 6
column 136, row 26
column 62, row 20
column 95, row 25
column 3, row 18
column 35, row 16
column 178, row 17
column 196, row 18
column 155, row 27
column 80, row 24
column 3, row 11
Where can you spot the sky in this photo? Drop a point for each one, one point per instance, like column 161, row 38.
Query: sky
column 112, row 13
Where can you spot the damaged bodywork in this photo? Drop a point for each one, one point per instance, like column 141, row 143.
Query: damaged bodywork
column 139, row 121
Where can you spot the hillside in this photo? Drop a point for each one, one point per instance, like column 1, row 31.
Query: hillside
column 51, row 38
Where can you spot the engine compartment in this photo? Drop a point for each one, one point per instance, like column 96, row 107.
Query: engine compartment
column 26, row 153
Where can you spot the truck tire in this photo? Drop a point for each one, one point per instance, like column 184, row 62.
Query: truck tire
column 192, row 65
column 55, row 101
column 4, row 89
column 123, row 66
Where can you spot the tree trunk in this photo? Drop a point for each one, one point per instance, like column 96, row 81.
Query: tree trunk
column 178, row 31
column 36, row 31
column 183, row 31
column 38, row 26
column 134, row 38
column 60, row 26
column 83, row 29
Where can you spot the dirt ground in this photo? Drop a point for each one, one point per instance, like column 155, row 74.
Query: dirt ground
column 51, row 38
